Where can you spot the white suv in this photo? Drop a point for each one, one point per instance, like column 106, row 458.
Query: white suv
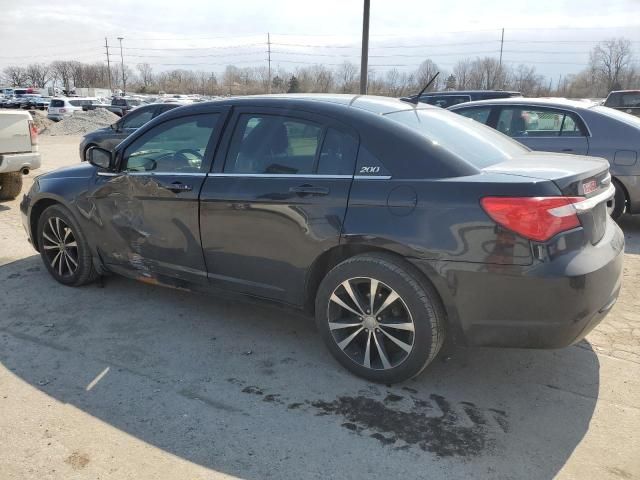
column 64, row 107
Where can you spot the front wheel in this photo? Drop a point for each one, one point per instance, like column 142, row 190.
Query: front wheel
column 63, row 248
column 379, row 319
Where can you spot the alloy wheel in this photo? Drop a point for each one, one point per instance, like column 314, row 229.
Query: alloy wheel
column 371, row 323
column 60, row 247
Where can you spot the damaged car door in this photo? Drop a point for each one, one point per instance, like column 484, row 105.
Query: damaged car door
column 149, row 207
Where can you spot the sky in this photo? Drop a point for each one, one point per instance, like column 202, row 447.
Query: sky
column 555, row 36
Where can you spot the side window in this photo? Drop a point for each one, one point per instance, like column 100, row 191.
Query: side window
column 338, row 154
column 479, row 114
column 174, row 146
column 137, row 119
column 273, row 144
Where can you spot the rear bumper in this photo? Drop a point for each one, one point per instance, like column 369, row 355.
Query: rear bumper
column 14, row 162
column 550, row 304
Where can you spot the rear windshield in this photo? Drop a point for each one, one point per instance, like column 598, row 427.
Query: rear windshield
column 624, row 99
column 56, row 103
column 476, row 143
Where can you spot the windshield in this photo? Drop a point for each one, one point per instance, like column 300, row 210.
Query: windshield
column 618, row 115
column 476, row 143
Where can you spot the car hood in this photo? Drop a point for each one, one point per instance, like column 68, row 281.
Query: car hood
column 82, row 170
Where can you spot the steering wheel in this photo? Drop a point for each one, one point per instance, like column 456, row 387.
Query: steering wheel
column 192, row 151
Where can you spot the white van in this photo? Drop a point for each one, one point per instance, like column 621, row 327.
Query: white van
column 64, row 107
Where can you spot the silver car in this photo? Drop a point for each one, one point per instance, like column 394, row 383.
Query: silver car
column 575, row 127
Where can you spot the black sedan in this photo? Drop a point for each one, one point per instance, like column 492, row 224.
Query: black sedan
column 396, row 225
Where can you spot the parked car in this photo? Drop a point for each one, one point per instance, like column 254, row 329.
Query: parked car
column 18, row 151
column 29, row 102
column 60, row 108
column 453, row 97
column 396, row 225
column 43, row 103
column 576, row 127
column 121, row 106
column 112, row 135
column 13, row 102
column 627, row 101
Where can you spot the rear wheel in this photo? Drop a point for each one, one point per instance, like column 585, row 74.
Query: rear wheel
column 63, row 248
column 379, row 319
column 10, row 185
column 618, row 204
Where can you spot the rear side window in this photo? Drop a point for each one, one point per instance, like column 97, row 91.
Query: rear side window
column 477, row 144
column 338, row 154
column 270, row 144
column 56, row 103
column 479, row 114
column 137, row 119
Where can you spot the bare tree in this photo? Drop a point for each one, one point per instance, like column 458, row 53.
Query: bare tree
column 462, row 71
column 425, row 73
column 15, row 75
column 37, row 74
column 146, row 74
column 610, row 59
column 347, row 74
column 62, row 72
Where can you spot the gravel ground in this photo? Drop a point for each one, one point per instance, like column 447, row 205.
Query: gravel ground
column 81, row 122
column 133, row 381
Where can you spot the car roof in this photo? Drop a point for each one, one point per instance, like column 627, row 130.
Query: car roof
column 539, row 102
column 371, row 103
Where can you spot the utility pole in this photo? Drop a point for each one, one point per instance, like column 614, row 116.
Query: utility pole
column 106, row 45
column 364, row 57
column 269, row 60
column 501, row 46
column 124, row 82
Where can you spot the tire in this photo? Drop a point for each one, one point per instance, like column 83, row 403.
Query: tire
column 77, row 268
column 619, row 205
column 10, row 185
column 346, row 335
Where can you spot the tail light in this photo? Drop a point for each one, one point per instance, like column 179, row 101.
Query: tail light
column 535, row 218
column 33, row 133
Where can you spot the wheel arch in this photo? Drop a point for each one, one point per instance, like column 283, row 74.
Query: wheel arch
column 332, row 257
column 34, row 216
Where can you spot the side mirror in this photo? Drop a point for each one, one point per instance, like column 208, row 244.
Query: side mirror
column 101, row 158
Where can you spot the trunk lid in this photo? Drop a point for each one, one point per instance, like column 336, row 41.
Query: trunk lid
column 575, row 176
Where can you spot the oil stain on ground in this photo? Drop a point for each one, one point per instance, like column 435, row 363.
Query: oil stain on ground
column 445, row 435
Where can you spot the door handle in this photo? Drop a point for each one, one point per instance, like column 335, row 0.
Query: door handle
column 304, row 190
column 178, row 187
column 567, row 149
